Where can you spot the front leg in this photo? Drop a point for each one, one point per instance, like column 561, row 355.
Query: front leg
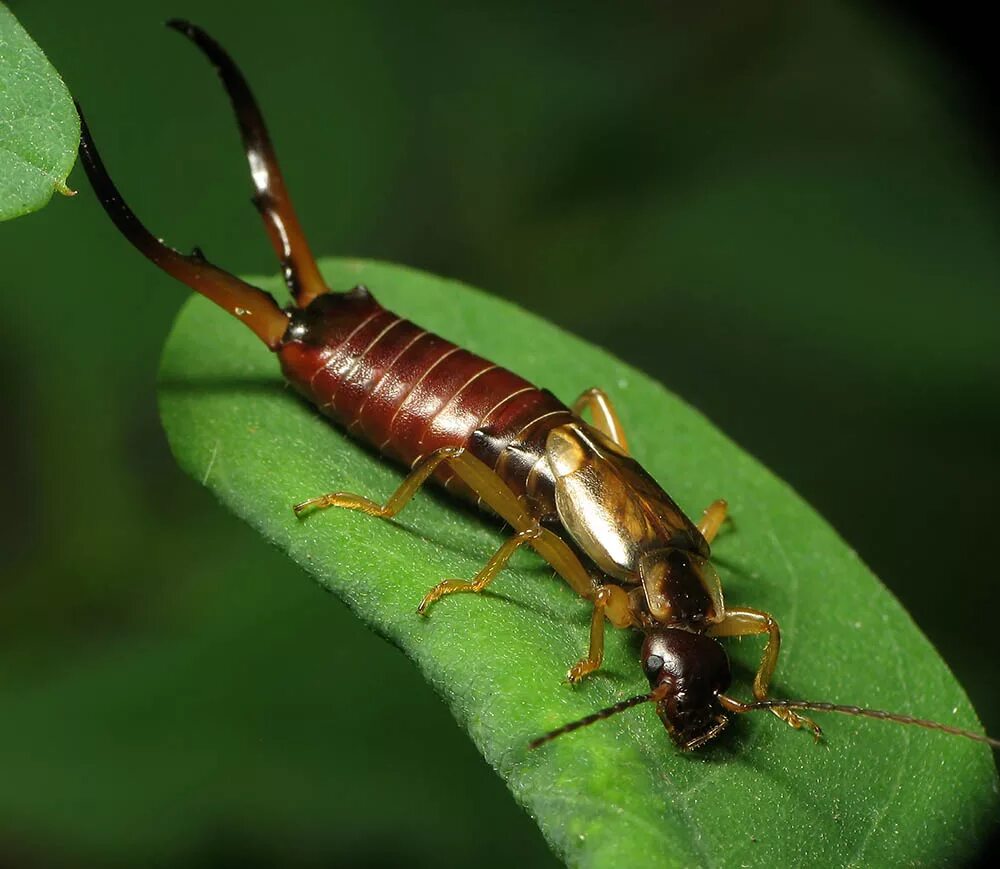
column 746, row 622
column 610, row 601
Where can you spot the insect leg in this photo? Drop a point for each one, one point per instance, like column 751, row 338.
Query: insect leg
column 712, row 519
column 611, row 601
column 418, row 475
column 495, row 494
column 486, row 575
column 602, row 411
column 271, row 198
column 744, row 622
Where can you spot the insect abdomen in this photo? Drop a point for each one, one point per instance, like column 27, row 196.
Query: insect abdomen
column 408, row 392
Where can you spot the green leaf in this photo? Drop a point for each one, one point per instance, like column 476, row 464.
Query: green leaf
column 617, row 793
column 39, row 128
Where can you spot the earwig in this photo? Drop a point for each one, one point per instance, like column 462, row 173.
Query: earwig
column 569, row 489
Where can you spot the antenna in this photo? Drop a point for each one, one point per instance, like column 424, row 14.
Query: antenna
column 731, row 705
column 655, row 695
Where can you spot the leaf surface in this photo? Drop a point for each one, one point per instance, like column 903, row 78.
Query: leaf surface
column 39, row 128
column 617, row 793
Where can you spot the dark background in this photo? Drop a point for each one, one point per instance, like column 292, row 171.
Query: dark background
column 786, row 211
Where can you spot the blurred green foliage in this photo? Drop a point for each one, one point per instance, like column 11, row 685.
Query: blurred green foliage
column 781, row 209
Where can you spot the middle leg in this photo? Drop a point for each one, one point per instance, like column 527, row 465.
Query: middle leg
column 712, row 519
column 610, row 601
column 486, row 575
column 496, row 494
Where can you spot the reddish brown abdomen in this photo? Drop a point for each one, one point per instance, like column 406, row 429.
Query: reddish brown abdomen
column 408, row 392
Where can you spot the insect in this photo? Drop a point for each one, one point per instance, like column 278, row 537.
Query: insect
column 569, row 489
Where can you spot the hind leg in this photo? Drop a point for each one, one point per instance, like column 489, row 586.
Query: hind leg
column 495, row 493
column 603, row 413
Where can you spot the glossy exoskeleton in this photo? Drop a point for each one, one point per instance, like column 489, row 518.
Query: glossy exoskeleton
column 568, row 488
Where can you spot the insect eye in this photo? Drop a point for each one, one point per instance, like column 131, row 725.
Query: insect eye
column 653, row 664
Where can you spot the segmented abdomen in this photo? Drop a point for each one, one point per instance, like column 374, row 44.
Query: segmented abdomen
column 408, row 392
